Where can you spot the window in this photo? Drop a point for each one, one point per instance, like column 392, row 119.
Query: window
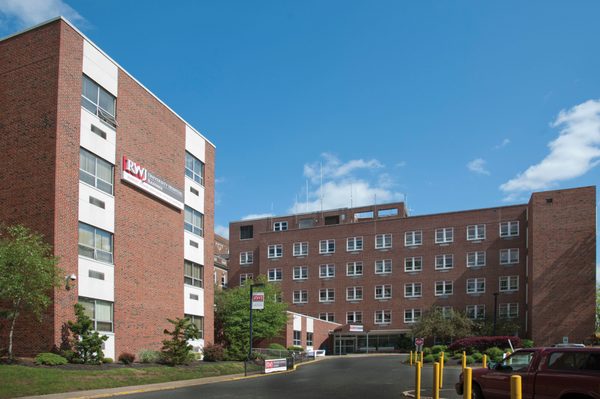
column 300, row 296
column 326, row 295
column 383, row 241
column 194, row 168
column 327, row 271
column 329, row 220
column 327, row 316
column 101, row 313
column 412, row 315
column 354, row 244
column 508, row 310
column 443, row 262
column 246, row 258
column 476, row 232
column 300, row 248
column 383, row 291
column 309, row 339
column 246, row 232
column 412, row 238
column 280, row 226
column 509, row 229
column 413, row 290
column 193, row 273
column 354, row 269
column 95, row 243
column 354, row 293
column 194, row 221
column 383, row 266
column 383, row 317
column 447, row 312
column 509, row 256
column 476, row 259
column 275, row 251
column 96, row 171
column 326, row 246
column 354, row 317
column 574, row 361
column 245, row 276
column 509, row 283
column 198, row 321
column 305, row 223
column 476, row 312
column 520, row 361
column 476, row 285
column 98, row 101
column 275, row 274
column 444, row 235
column 413, row 264
column 443, row 288
column 300, row 273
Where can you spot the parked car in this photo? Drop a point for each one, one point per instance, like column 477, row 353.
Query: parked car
column 546, row 373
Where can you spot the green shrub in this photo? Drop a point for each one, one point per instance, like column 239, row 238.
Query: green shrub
column 126, row 358
column 107, row 360
column 427, row 351
column 86, row 341
column 50, row 359
column 477, row 356
column 148, row 356
column 428, row 358
column 527, row 343
column 494, row 354
column 470, row 360
column 437, row 356
column 277, row 346
column 176, row 350
column 295, row 348
column 457, row 355
column 213, row 353
column 438, row 348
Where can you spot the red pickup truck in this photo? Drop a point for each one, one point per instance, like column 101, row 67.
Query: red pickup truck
column 546, row 373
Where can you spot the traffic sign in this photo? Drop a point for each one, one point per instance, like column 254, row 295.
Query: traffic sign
column 258, row 300
column 419, row 341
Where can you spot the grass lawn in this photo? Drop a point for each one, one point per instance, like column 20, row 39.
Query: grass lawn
column 18, row 380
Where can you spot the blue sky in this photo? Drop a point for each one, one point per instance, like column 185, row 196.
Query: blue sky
column 454, row 105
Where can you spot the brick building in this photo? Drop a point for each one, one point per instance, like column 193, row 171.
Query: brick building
column 116, row 181
column 221, row 262
column 380, row 268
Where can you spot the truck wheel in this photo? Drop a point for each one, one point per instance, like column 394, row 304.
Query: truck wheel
column 476, row 392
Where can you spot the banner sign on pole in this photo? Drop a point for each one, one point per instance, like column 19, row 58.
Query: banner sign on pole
column 272, row 365
column 258, row 300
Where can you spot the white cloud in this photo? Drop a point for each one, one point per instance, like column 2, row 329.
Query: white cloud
column 401, row 164
column 333, row 168
column 478, row 166
column 32, row 12
column 503, row 144
column 257, row 216
column 223, row 231
column 572, row 154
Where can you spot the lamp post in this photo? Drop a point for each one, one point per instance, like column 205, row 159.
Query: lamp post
column 495, row 311
column 251, row 308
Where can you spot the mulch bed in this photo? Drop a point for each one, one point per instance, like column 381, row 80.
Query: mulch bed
column 29, row 362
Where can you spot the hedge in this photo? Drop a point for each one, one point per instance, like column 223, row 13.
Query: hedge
column 483, row 343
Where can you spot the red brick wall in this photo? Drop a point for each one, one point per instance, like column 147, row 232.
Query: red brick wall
column 562, row 264
column 209, row 248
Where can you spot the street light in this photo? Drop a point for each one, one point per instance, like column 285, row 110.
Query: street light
column 251, row 307
column 495, row 311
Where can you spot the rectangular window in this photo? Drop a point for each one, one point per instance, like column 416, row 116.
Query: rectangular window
column 98, row 101
column 509, row 283
column 383, row 241
column 354, row 244
column 309, row 339
column 509, row 256
column 95, row 243
column 101, row 313
column 198, row 321
column 413, row 264
column 329, row 220
column 193, row 273
column 476, row 285
column 383, row 291
column 354, row 269
column 383, row 266
column 413, row 290
column 327, row 271
column 193, row 221
column 326, row 295
column 476, row 312
column 280, row 226
column 447, row 312
column 300, row 272
column 509, row 229
column 305, row 223
column 443, row 288
column 300, row 296
column 476, row 259
column 194, row 168
column 326, row 246
column 476, row 232
column 96, row 171
column 444, row 262
column 275, row 274
column 300, row 248
column 327, row 316
column 246, row 258
column 354, row 293
column 412, row 238
column 383, row 316
column 245, row 276
column 412, row 315
column 354, row 317
column 444, row 235
column 275, row 251
column 508, row 310
column 246, row 232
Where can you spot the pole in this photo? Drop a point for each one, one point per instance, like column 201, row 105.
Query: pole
column 251, row 292
column 515, row 387
column 495, row 311
column 418, row 381
column 464, row 360
column 436, row 380
column 441, row 370
column 411, row 358
column 484, row 362
column 467, row 382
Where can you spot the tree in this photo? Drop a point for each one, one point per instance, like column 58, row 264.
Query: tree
column 597, row 307
column 434, row 324
column 232, row 317
column 176, row 350
column 86, row 342
column 28, row 272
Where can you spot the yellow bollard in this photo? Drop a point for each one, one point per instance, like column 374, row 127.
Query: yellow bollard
column 515, row 387
column 484, row 362
column 441, row 370
column 464, row 360
column 436, row 380
column 418, row 381
column 467, row 382
column 411, row 359
column 421, row 358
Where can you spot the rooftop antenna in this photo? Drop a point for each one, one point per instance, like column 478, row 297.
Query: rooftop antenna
column 321, row 187
column 306, row 195
column 350, row 194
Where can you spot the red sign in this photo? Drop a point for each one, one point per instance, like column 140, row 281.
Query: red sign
column 258, row 300
column 134, row 169
column 419, row 341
